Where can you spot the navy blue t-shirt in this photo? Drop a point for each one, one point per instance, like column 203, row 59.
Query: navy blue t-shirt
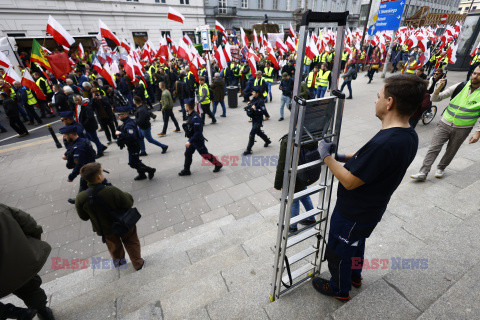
column 381, row 164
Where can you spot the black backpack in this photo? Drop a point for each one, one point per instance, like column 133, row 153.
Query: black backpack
column 354, row 74
column 311, row 174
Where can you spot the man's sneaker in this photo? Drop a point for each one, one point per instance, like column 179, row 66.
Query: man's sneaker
column 247, row 152
column 151, row 173
column 439, row 173
column 177, row 130
column 323, row 286
column 357, row 283
column 281, row 119
column 161, row 134
column 184, row 173
column 71, row 201
column 104, row 148
column 143, row 265
column 419, row 176
column 12, row 312
column 217, row 168
column 142, row 154
column 267, row 143
column 164, row 149
column 140, row 177
column 99, row 155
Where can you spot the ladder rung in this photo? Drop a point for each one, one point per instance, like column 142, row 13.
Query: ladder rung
column 302, row 254
column 305, row 215
column 302, row 236
column 308, row 165
column 307, row 192
column 298, row 272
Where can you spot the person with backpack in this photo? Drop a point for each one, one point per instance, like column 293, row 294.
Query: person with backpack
column 350, row 75
column 457, row 122
column 98, row 204
column 255, row 110
column 305, row 178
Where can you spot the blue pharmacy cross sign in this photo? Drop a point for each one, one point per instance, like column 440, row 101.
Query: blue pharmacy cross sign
column 389, row 15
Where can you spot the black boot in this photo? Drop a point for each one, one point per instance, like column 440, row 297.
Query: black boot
column 13, row 312
column 247, row 152
column 151, row 173
column 184, row 173
column 267, row 143
column 141, row 174
column 71, row 200
column 217, row 168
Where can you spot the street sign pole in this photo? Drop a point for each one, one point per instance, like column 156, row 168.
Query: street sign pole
column 389, row 54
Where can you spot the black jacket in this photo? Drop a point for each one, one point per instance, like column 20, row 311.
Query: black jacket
column 11, row 109
column 87, row 118
column 142, row 117
column 182, row 90
column 61, row 102
column 103, row 108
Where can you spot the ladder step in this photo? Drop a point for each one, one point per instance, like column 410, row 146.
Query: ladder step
column 302, row 254
column 305, row 215
column 298, row 272
column 302, row 236
column 308, row 165
column 308, row 191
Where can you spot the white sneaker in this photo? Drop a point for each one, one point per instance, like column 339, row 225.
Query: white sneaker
column 439, row 173
column 419, row 176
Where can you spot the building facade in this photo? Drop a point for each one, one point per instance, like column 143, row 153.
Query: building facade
column 136, row 21
column 466, row 6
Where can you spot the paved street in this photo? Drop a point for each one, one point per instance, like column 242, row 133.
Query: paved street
column 34, row 176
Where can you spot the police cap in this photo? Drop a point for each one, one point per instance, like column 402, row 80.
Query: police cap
column 122, row 109
column 66, row 114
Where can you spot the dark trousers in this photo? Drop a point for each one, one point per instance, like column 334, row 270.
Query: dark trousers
column 349, row 86
column 168, row 114
column 44, row 109
column 108, row 127
column 32, row 115
column 370, row 73
column 182, row 105
column 131, row 243
column 256, row 130
column 17, row 125
column 135, row 162
column 346, row 244
column 202, row 149
column 206, row 110
column 32, row 295
column 92, row 136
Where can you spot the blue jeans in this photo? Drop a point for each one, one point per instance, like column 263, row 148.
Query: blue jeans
column 321, row 91
column 284, row 101
column 92, row 136
column 307, row 204
column 269, row 86
column 215, row 104
column 182, row 105
column 147, row 134
column 349, row 86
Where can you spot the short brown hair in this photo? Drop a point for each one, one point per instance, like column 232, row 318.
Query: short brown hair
column 137, row 99
column 407, row 91
column 90, row 171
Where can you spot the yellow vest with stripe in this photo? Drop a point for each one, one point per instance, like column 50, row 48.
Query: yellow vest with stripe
column 432, row 58
column 464, row 109
column 269, row 74
column 260, row 83
column 306, row 61
column 40, row 80
column 324, row 78
column 200, row 92
column 145, row 89
column 31, row 100
column 310, row 79
column 324, row 57
column 150, row 72
column 345, row 56
column 330, row 57
column 476, row 59
column 411, row 64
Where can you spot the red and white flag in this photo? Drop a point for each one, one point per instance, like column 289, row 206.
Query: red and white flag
column 228, row 52
column 108, row 75
column 311, row 50
column 452, row 53
column 46, row 50
column 475, row 51
column 255, row 39
column 291, row 44
column 59, row 33
column 81, row 52
column 11, row 76
column 219, row 27
column 183, row 51
column 125, row 45
column 28, row 82
column 4, row 61
column 175, row 15
column 65, row 49
column 220, row 57
column 253, row 64
column 292, row 31
column 101, row 56
column 280, row 45
column 187, row 40
column 107, row 33
column 244, row 37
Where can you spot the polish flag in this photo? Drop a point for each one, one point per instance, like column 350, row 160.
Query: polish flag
column 65, row 49
column 129, row 68
column 107, row 74
column 183, row 51
column 162, row 52
column 175, row 15
column 11, row 76
column 251, row 54
column 475, row 50
column 4, row 61
column 97, row 66
column 311, row 50
column 244, row 37
column 59, row 33
column 228, row 52
column 125, row 45
column 187, row 40
column 253, row 64
column 291, row 44
column 423, row 58
column 220, row 57
column 28, row 82
column 255, row 39
column 292, row 31
column 452, row 53
column 101, row 56
column 107, row 33
column 422, row 43
column 46, row 50
column 81, row 52
column 280, row 45
column 224, row 39
column 219, row 27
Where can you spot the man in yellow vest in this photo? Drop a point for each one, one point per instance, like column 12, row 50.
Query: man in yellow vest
column 325, row 80
column 313, row 81
column 473, row 64
column 456, row 124
column 25, row 98
column 260, row 82
column 269, row 78
column 410, row 65
column 204, row 100
column 345, row 56
column 47, row 91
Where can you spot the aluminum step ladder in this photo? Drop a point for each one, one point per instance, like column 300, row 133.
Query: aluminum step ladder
column 300, row 253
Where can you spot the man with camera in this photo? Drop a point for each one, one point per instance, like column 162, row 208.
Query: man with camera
column 79, row 153
column 102, row 107
column 196, row 141
column 116, row 201
column 255, row 110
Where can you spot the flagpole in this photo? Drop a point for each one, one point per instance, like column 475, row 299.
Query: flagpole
column 389, row 53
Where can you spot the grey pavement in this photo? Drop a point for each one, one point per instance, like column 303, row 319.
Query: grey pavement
column 208, row 238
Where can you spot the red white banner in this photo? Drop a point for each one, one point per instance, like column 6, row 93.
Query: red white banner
column 175, row 15
column 59, row 33
column 28, row 82
column 107, row 33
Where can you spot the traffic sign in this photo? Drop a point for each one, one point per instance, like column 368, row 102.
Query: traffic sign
column 444, row 19
column 389, row 15
column 372, row 30
column 205, row 40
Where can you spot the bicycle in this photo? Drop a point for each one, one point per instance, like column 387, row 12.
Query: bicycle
column 429, row 114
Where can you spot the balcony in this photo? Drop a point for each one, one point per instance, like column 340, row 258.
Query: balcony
column 225, row 12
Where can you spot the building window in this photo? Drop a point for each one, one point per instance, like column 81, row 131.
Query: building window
column 245, row 4
column 260, row 4
column 159, row 1
column 222, row 6
column 165, row 34
column 184, row 1
column 275, row 4
column 15, row 35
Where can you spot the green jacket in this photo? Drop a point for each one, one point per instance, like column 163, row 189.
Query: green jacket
column 304, row 90
column 22, row 253
column 115, row 198
column 167, row 101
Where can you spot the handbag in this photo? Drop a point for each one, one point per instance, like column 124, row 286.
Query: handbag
column 375, row 66
column 122, row 222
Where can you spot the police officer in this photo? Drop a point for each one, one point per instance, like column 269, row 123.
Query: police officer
column 262, row 85
column 256, row 110
column 196, row 141
column 79, row 152
column 68, row 120
column 128, row 136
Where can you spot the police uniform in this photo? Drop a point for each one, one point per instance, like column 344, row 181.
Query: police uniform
column 79, row 153
column 194, row 132
column 130, row 137
column 78, row 126
column 257, row 122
